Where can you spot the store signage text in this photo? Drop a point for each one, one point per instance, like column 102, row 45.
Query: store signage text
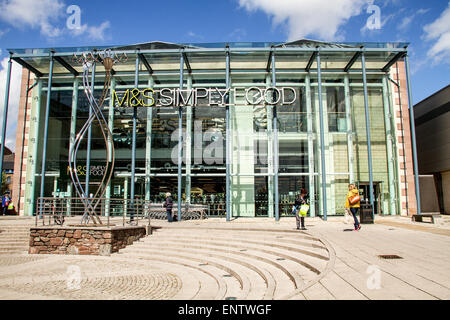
column 167, row 97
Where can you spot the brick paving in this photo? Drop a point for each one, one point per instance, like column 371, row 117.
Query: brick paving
column 244, row 259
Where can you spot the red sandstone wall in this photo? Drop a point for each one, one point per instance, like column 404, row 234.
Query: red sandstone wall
column 404, row 142
column 20, row 165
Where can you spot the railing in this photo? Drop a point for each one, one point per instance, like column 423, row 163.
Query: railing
column 55, row 211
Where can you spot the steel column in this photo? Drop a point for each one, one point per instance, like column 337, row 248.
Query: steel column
column 111, row 127
column 5, row 117
column 148, row 147
column 322, row 138
column 389, row 145
column 180, row 139
column 275, row 145
column 413, row 135
column 47, row 115
column 228, row 141
column 89, row 139
column 309, row 124
column 188, row 144
column 73, row 127
column 348, row 113
column 369, row 139
column 133, row 147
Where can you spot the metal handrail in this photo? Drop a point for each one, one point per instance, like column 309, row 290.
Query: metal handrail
column 53, row 211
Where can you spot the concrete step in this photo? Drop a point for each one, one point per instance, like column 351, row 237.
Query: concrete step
column 258, row 262
column 253, row 257
column 12, row 244
column 233, row 278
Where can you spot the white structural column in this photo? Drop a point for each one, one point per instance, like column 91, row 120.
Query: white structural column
column 148, row 145
column 389, row 146
column 125, row 195
column 111, row 128
column 243, row 181
column 309, row 123
column 348, row 114
column 329, row 161
column 270, row 168
column 187, row 154
column 73, row 128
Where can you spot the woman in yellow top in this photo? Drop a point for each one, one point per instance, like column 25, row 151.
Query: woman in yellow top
column 352, row 191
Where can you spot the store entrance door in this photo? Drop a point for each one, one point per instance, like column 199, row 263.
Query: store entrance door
column 364, row 191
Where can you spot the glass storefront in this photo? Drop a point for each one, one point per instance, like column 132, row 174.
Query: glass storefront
column 261, row 152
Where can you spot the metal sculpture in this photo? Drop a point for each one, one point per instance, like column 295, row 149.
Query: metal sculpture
column 108, row 58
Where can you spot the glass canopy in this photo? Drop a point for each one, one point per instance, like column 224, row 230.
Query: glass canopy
column 165, row 57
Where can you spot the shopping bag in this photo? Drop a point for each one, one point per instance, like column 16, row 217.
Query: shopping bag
column 304, row 210
column 348, row 219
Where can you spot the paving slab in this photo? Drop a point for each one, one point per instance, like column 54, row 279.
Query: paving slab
column 252, row 258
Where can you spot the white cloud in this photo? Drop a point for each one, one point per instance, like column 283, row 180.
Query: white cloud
column 35, row 14
column 46, row 15
column 192, row 34
column 92, row 32
column 2, row 33
column 319, row 18
column 14, row 97
column 98, row 33
column 439, row 31
column 238, row 34
column 406, row 21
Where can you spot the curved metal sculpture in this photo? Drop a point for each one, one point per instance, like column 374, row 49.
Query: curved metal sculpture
column 108, row 58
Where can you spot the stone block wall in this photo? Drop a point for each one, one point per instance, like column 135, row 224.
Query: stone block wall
column 82, row 241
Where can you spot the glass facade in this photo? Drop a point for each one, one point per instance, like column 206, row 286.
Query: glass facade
column 261, row 151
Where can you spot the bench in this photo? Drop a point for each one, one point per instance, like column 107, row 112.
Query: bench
column 188, row 212
column 419, row 217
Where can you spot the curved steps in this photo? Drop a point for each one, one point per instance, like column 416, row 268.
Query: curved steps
column 246, row 264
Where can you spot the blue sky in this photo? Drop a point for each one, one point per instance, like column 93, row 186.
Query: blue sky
column 425, row 24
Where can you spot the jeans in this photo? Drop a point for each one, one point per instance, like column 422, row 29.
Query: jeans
column 169, row 215
column 354, row 211
column 300, row 220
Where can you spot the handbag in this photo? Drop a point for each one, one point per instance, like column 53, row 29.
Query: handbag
column 354, row 200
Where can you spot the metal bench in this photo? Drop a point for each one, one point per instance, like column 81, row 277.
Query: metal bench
column 419, row 217
column 188, row 212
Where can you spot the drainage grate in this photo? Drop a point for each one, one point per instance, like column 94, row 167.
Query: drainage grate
column 281, row 259
column 389, row 256
column 227, row 275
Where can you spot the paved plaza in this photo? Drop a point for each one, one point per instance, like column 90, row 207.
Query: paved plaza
column 246, row 259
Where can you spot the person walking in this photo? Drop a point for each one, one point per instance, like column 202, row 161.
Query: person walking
column 353, row 202
column 5, row 203
column 301, row 209
column 168, row 204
